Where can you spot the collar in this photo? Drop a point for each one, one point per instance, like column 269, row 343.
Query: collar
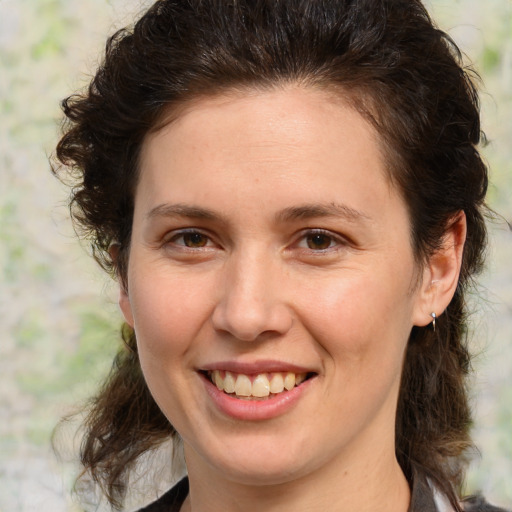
column 426, row 498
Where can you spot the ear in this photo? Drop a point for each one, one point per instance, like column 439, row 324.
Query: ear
column 124, row 298
column 441, row 273
column 125, row 305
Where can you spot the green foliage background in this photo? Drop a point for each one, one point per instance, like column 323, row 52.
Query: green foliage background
column 58, row 313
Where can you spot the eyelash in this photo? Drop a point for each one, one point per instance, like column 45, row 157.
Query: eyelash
column 334, row 241
column 191, row 232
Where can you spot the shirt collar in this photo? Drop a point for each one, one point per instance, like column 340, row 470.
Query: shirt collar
column 422, row 496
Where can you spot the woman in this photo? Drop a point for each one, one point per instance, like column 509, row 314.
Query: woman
column 291, row 197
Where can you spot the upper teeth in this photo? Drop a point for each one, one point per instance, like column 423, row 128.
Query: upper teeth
column 259, row 386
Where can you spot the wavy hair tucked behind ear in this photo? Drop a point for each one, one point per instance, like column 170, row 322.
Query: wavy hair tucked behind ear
column 401, row 72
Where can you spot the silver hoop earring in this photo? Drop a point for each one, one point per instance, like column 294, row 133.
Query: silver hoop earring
column 433, row 315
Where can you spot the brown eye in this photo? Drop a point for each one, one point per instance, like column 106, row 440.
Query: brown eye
column 194, row 240
column 319, row 241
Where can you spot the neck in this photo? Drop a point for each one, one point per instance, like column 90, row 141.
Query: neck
column 377, row 484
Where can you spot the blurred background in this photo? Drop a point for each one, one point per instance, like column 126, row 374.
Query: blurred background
column 58, row 312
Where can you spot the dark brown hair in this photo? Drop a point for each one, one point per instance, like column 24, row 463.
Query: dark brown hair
column 400, row 71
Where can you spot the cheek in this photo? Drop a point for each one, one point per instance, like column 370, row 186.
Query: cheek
column 166, row 322
column 168, row 313
column 360, row 319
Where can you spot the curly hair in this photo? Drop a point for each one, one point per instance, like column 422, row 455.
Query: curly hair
column 398, row 70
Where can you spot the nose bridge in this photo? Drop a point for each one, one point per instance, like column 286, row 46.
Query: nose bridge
column 250, row 302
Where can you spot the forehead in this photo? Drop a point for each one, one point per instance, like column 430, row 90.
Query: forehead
column 296, row 143
column 289, row 118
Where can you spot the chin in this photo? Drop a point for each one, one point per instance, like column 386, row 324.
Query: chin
column 263, row 475
column 254, row 463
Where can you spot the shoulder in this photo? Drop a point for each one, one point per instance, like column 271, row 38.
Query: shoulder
column 478, row 504
column 171, row 501
column 426, row 497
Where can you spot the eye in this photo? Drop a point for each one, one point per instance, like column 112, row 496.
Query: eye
column 319, row 240
column 191, row 239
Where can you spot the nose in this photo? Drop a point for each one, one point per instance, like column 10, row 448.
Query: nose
column 251, row 305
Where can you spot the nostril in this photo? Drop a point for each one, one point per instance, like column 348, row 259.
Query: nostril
column 252, row 322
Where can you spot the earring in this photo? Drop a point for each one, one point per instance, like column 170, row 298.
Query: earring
column 433, row 315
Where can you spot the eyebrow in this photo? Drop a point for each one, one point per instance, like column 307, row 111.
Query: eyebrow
column 293, row 213
column 182, row 210
column 310, row 211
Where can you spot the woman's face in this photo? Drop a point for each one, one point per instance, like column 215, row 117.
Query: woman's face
column 270, row 248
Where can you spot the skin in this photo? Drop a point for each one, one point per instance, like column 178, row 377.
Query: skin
column 254, row 177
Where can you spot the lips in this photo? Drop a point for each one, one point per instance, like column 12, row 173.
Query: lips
column 256, row 386
column 256, row 391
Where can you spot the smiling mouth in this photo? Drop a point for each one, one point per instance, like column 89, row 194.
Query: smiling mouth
column 256, row 387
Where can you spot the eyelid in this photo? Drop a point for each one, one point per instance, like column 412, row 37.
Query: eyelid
column 338, row 239
column 172, row 236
